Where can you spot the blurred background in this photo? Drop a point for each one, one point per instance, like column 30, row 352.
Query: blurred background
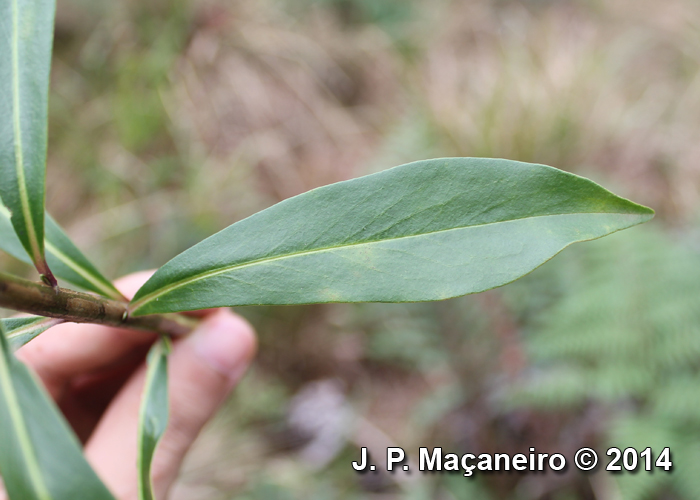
column 171, row 119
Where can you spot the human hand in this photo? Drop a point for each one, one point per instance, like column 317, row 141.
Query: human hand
column 96, row 375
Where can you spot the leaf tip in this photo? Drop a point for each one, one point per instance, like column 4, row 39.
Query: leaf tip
column 646, row 213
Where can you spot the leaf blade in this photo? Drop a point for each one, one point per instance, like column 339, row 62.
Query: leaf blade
column 40, row 458
column 64, row 257
column 20, row 331
column 27, row 28
column 153, row 415
column 352, row 241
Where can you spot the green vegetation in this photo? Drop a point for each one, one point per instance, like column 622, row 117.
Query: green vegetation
column 625, row 339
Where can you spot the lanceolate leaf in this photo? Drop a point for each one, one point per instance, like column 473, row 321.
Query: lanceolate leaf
column 153, row 417
column 19, row 331
column 65, row 259
column 428, row 230
column 26, row 36
column 40, row 458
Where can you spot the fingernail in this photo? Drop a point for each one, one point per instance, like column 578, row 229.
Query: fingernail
column 223, row 345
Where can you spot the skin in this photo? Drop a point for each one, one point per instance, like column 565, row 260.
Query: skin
column 96, row 375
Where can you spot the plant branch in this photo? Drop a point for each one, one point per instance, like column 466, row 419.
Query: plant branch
column 77, row 307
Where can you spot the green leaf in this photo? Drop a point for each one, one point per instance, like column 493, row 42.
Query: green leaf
column 26, row 37
column 153, row 417
column 9, row 241
column 428, row 230
column 19, row 331
column 65, row 259
column 40, row 458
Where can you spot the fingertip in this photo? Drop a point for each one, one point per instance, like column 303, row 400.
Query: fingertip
column 226, row 342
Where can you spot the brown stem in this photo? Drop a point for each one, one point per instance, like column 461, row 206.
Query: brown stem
column 36, row 298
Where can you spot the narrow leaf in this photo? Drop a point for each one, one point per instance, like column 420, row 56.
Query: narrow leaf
column 9, row 241
column 26, row 36
column 19, row 331
column 40, row 458
column 153, row 417
column 65, row 259
column 428, row 230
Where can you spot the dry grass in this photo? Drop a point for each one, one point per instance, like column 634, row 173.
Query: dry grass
column 574, row 86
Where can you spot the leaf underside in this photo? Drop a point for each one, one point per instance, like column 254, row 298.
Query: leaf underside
column 428, row 230
column 65, row 259
column 26, row 37
column 153, row 416
column 19, row 331
column 40, row 458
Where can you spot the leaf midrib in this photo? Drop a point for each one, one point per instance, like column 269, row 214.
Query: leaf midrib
column 165, row 290
column 17, row 125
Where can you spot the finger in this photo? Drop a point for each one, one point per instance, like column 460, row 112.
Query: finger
column 202, row 371
column 70, row 349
